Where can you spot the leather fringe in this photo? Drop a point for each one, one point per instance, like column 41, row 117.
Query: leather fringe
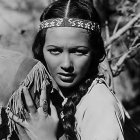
column 36, row 76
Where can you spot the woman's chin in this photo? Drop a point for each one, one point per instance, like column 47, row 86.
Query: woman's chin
column 65, row 83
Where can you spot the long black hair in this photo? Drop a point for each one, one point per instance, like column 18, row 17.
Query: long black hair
column 80, row 9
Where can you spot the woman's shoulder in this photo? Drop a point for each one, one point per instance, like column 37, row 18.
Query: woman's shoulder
column 100, row 97
column 98, row 93
column 100, row 113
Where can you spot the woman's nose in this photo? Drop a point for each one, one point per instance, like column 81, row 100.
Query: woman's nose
column 67, row 64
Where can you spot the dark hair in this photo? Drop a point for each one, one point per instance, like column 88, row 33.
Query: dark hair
column 80, row 9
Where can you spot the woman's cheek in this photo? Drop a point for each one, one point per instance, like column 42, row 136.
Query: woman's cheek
column 52, row 63
column 82, row 65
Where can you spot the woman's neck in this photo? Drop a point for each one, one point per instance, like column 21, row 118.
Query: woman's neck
column 66, row 92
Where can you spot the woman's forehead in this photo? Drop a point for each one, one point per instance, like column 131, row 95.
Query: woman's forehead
column 67, row 35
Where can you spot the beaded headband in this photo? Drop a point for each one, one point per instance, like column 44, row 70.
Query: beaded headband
column 70, row 22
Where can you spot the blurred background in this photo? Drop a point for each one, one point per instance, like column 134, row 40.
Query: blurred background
column 19, row 22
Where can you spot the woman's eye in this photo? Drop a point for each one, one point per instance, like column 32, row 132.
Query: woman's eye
column 55, row 51
column 81, row 52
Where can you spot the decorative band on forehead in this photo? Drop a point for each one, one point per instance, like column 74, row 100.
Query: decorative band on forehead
column 70, row 22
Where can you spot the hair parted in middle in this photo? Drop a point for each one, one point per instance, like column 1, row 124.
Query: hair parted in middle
column 80, row 9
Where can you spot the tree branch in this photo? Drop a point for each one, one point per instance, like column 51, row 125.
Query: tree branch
column 122, row 30
column 129, row 54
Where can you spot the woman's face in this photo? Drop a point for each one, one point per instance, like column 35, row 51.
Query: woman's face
column 67, row 54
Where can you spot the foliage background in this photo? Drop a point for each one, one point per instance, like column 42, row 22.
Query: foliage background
column 19, row 21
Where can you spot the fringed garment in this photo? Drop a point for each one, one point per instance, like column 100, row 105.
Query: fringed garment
column 17, row 70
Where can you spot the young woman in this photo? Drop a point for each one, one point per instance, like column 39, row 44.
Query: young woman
column 80, row 106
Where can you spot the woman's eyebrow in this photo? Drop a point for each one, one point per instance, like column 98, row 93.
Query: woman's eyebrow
column 82, row 46
column 71, row 47
column 54, row 46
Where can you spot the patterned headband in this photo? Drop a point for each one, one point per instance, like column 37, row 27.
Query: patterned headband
column 70, row 22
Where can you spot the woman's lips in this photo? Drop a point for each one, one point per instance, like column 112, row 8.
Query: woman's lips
column 66, row 77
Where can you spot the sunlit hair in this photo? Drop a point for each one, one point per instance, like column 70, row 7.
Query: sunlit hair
column 80, row 9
